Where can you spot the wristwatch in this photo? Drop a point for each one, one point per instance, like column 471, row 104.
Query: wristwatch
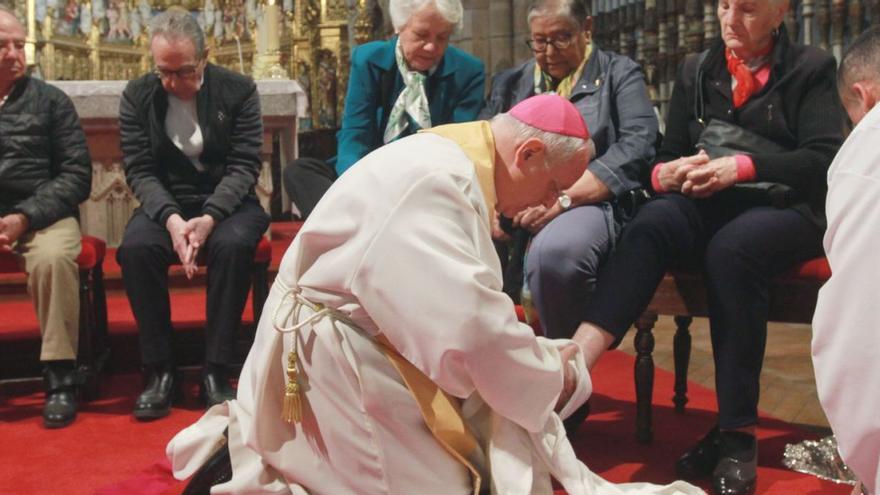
column 564, row 201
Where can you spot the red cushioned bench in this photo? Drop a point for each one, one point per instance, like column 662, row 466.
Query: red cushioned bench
column 94, row 348
column 93, row 343
column 792, row 299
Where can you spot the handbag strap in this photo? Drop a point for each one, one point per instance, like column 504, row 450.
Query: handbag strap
column 699, row 104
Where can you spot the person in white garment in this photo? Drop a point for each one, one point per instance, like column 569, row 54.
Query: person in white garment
column 388, row 360
column 846, row 342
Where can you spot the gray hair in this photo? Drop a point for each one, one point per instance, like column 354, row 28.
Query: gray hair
column 559, row 148
column 576, row 11
column 861, row 61
column 177, row 22
column 8, row 10
column 402, row 10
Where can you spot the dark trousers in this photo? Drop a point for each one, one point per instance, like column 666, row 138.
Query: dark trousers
column 740, row 248
column 145, row 255
column 306, row 180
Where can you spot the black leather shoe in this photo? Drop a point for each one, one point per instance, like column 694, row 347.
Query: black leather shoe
column 163, row 388
column 216, row 470
column 700, row 461
column 215, row 387
column 737, row 469
column 61, row 389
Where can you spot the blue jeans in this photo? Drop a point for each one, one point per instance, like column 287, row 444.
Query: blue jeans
column 563, row 264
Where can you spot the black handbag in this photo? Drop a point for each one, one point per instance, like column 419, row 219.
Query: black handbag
column 721, row 138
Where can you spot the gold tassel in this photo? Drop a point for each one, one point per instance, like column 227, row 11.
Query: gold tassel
column 292, row 409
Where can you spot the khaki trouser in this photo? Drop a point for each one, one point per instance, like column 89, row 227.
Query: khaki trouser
column 49, row 257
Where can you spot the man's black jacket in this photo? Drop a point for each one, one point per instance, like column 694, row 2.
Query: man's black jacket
column 163, row 179
column 45, row 168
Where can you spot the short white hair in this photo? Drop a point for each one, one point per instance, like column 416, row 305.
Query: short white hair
column 559, row 148
column 402, row 10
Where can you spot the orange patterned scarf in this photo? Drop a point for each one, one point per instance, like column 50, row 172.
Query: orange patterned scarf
column 746, row 82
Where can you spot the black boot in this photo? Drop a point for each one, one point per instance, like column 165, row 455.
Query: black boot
column 163, row 388
column 61, row 388
column 737, row 469
column 700, row 461
column 215, row 387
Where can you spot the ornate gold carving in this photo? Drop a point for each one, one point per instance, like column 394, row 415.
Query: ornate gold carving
column 336, row 10
column 364, row 24
column 324, row 92
column 108, row 39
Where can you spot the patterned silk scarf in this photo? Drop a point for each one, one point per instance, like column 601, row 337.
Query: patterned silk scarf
column 745, row 84
column 544, row 82
column 411, row 107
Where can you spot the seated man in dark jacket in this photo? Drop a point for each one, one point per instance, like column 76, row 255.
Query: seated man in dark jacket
column 191, row 135
column 45, row 172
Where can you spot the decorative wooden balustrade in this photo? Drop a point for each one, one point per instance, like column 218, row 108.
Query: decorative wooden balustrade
column 660, row 33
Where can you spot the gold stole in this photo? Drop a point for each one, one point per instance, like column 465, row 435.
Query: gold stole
column 441, row 412
column 478, row 143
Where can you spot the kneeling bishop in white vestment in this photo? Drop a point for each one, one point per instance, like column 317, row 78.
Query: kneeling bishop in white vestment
column 386, row 342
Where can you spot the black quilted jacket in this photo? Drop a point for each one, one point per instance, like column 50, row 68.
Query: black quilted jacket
column 45, row 168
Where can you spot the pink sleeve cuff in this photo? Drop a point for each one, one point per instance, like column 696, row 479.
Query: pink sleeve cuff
column 745, row 168
column 655, row 178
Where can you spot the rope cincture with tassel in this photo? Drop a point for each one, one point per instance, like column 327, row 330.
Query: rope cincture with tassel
column 291, row 411
column 292, row 406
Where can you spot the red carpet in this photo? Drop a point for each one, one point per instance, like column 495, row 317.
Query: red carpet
column 107, row 452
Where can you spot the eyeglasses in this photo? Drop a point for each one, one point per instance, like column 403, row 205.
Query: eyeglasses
column 185, row 72
column 559, row 42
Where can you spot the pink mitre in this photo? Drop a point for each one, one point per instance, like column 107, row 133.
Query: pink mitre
column 551, row 113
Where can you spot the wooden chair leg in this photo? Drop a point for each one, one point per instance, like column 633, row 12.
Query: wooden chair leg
column 86, row 353
column 260, row 290
column 99, row 299
column 682, row 356
column 644, row 376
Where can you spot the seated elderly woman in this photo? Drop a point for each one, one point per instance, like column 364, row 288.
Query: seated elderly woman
column 413, row 81
column 576, row 233
column 742, row 216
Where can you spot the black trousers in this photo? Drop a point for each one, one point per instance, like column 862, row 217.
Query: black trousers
column 740, row 247
column 306, row 180
column 145, row 255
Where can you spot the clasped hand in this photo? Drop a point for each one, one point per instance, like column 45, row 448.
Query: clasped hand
column 187, row 237
column 11, row 228
column 698, row 176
